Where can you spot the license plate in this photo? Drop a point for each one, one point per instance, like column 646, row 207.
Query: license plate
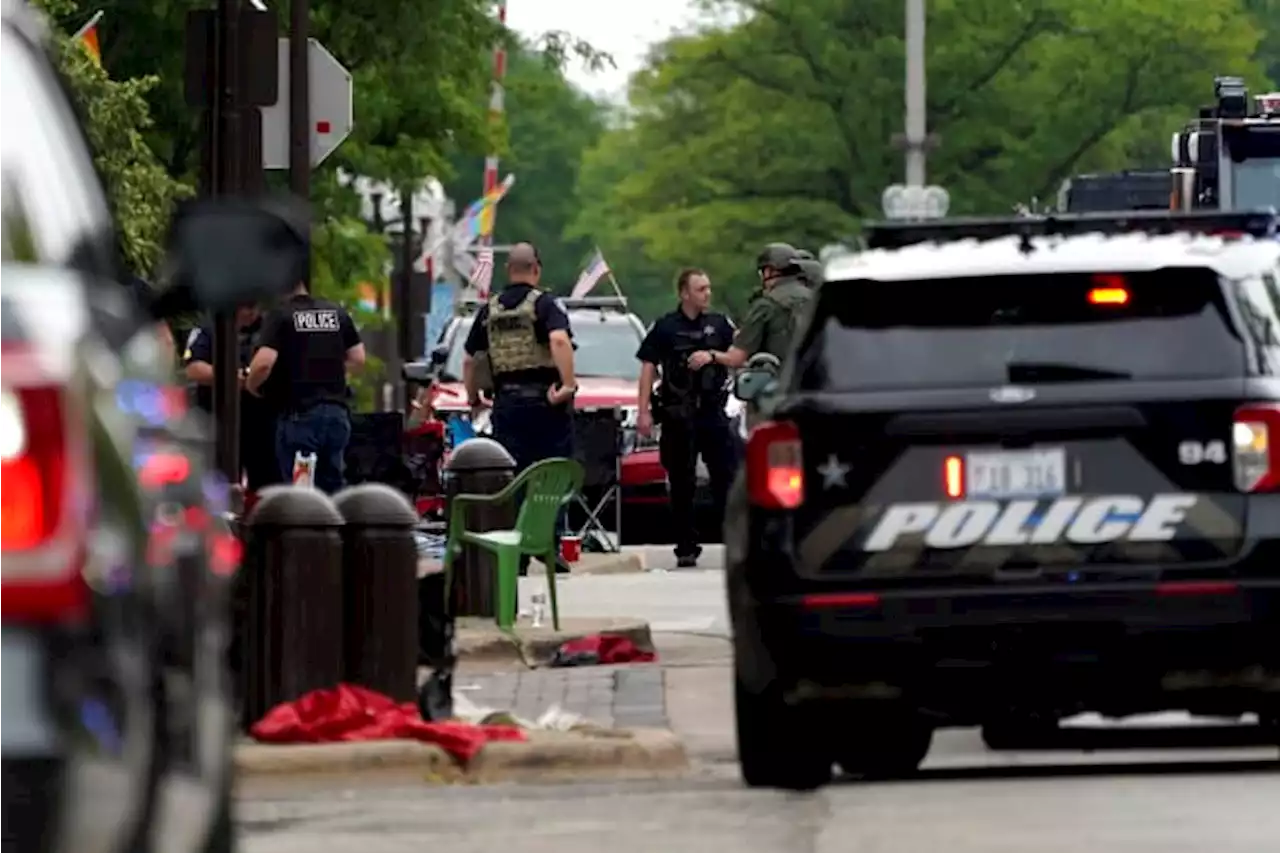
column 1016, row 474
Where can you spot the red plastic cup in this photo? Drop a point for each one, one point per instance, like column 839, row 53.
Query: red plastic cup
column 571, row 548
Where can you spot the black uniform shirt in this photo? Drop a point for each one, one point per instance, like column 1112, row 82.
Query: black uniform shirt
column 312, row 337
column 674, row 336
column 548, row 317
column 200, row 348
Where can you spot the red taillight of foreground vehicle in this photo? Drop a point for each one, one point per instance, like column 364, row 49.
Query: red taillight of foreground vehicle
column 1254, row 433
column 42, row 551
column 775, row 466
column 33, row 442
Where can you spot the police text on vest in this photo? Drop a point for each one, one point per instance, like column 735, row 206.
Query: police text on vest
column 1084, row 521
column 320, row 320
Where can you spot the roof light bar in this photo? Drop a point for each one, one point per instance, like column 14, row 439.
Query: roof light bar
column 896, row 235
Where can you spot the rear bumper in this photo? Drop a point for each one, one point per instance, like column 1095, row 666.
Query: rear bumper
column 1212, row 647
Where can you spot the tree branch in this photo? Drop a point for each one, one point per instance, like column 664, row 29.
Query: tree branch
column 1034, row 27
column 1126, row 108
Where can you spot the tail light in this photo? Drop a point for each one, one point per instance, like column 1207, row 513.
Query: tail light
column 42, row 546
column 1255, row 429
column 775, row 467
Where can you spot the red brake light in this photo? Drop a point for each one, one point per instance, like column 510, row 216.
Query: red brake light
column 953, row 476
column 1255, row 428
column 775, row 467
column 34, row 461
column 1109, row 296
column 43, row 548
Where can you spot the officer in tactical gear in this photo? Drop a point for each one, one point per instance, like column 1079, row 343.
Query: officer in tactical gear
column 810, row 267
column 524, row 336
column 688, row 348
column 774, row 318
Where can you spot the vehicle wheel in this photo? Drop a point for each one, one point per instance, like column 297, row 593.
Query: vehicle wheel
column 884, row 745
column 1017, row 731
column 777, row 744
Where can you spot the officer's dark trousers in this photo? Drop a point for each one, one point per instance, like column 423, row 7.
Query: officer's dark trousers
column 258, row 454
column 531, row 429
column 682, row 441
column 324, row 430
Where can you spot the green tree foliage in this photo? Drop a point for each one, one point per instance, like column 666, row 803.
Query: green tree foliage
column 116, row 116
column 1267, row 14
column 550, row 125
column 780, row 126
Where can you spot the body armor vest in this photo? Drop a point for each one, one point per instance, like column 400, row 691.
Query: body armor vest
column 513, row 341
column 792, row 297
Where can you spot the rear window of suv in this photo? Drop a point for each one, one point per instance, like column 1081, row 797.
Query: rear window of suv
column 871, row 335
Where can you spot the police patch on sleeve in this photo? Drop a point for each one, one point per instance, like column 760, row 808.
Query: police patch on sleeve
column 316, row 320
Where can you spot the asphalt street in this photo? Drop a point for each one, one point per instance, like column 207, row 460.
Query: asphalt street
column 1164, row 788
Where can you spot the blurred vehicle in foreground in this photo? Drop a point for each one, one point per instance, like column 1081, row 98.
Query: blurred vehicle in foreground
column 1022, row 469
column 117, row 723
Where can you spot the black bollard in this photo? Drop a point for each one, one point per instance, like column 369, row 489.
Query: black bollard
column 479, row 466
column 293, row 574
column 380, row 589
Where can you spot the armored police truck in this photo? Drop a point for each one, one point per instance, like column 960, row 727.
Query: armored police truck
column 1146, row 189
column 1229, row 157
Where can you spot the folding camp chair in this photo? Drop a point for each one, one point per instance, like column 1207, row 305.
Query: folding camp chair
column 598, row 447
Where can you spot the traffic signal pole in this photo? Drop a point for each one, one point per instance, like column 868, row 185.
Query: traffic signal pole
column 225, row 179
column 300, row 105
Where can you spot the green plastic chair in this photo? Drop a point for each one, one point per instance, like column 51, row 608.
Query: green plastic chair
column 547, row 486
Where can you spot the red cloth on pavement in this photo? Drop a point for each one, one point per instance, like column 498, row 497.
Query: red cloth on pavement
column 352, row 713
column 601, row 649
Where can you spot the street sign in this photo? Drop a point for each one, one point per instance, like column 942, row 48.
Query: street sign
column 907, row 202
column 331, row 113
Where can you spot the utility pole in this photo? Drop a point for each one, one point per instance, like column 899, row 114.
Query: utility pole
column 404, row 292
column 916, row 133
column 225, row 178
column 300, row 106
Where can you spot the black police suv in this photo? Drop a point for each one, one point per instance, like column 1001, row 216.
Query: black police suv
column 117, row 720
column 1015, row 470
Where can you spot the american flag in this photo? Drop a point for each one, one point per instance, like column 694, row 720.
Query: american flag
column 482, row 272
column 597, row 269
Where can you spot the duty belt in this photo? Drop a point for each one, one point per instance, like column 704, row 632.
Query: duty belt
column 522, row 392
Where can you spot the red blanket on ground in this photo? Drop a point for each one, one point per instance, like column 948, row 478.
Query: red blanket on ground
column 351, row 713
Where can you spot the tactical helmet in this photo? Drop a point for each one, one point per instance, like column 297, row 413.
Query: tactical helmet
column 781, row 256
column 811, row 271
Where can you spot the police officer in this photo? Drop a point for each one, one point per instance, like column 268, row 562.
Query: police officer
column 688, row 347
column 811, row 269
column 524, row 334
column 257, row 418
column 774, row 317
column 314, row 343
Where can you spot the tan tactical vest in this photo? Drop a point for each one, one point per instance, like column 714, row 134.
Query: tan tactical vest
column 513, row 344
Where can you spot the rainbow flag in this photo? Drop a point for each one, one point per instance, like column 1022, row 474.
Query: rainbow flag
column 88, row 38
column 479, row 214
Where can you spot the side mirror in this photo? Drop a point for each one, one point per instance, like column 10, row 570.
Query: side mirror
column 418, row 371
column 752, row 383
column 224, row 252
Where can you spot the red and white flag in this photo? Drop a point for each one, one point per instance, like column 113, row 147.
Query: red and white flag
column 482, row 272
column 597, row 269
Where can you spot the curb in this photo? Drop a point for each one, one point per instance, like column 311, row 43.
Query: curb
column 639, row 752
column 495, row 646
column 259, row 760
column 601, row 564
